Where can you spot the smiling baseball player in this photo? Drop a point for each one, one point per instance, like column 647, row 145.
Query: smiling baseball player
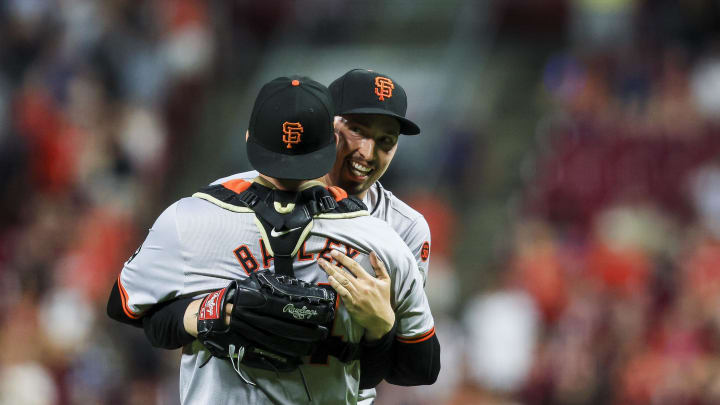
column 370, row 108
column 280, row 222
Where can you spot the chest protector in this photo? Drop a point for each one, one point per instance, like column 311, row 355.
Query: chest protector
column 284, row 218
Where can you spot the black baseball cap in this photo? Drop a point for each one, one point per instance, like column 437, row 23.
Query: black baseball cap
column 362, row 91
column 291, row 129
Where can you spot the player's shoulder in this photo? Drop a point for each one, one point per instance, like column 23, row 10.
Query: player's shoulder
column 393, row 203
column 243, row 176
column 371, row 222
column 191, row 208
column 397, row 210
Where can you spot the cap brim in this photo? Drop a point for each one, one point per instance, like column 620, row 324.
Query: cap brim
column 407, row 127
column 294, row 167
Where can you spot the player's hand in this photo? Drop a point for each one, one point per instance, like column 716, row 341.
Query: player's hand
column 366, row 298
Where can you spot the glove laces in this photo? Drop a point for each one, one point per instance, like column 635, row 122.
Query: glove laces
column 235, row 359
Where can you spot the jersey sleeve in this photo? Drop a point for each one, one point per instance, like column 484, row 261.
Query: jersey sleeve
column 155, row 272
column 417, row 237
column 412, row 310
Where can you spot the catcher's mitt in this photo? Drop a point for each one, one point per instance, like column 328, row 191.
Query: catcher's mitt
column 275, row 320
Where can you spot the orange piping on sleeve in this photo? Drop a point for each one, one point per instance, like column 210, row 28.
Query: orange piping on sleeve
column 417, row 339
column 124, row 299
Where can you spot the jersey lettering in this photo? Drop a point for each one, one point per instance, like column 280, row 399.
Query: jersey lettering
column 303, row 256
column 246, row 259
column 265, row 255
column 325, row 252
column 351, row 252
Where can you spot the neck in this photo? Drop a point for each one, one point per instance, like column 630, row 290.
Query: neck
column 361, row 195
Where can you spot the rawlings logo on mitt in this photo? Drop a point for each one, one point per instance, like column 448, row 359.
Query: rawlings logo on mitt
column 299, row 313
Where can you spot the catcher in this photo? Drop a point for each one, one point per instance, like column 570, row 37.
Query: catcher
column 257, row 245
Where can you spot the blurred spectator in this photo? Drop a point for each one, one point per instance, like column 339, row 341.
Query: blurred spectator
column 502, row 328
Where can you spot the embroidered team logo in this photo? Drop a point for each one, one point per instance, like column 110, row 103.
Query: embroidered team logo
column 291, row 133
column 383, row 87
column 425, row 251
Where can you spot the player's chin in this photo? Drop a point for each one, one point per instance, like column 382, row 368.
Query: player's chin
column 352, row 185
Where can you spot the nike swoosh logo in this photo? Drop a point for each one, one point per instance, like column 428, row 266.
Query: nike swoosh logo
column 276, row 234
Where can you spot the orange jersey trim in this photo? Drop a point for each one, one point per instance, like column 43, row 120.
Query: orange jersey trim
column 417, row 339
column 237, row 185
column 338, row 193
column 124, row 299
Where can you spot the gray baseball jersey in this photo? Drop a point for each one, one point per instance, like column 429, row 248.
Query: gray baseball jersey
column 408, row 223
column 195, row 246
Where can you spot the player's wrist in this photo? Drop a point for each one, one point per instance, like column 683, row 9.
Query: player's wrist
column 190, row 318
column 378, row 333
column 381, row 329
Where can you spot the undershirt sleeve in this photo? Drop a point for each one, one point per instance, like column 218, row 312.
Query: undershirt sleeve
column 164, row 325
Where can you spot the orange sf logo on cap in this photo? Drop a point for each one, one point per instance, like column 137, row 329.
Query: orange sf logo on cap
column 383, row 87
column 291, row 131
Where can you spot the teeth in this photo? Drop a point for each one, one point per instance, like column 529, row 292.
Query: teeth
column 360, row 168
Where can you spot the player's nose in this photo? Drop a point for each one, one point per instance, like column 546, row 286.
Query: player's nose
column 366, row 148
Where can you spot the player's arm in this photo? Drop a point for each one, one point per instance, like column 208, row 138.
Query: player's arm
column 367, row 299
column 416, row 361
column 165, row 325
column 116, row 309
column 153, row 274
column 168, row 325
column 416, row 349
column 174, row 324
column 412, row 360
column 417, row 238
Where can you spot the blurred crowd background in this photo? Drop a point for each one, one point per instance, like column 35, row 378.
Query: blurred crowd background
column 569, row 167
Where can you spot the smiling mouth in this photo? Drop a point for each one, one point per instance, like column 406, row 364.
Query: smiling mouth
column 359, row 170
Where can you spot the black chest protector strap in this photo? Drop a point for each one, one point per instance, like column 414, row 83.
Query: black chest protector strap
column 284, row 218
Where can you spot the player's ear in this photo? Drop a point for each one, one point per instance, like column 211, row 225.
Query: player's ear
column 247, row 135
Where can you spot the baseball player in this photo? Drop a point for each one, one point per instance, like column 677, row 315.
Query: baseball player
column 200, row 243
column 370, row 108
